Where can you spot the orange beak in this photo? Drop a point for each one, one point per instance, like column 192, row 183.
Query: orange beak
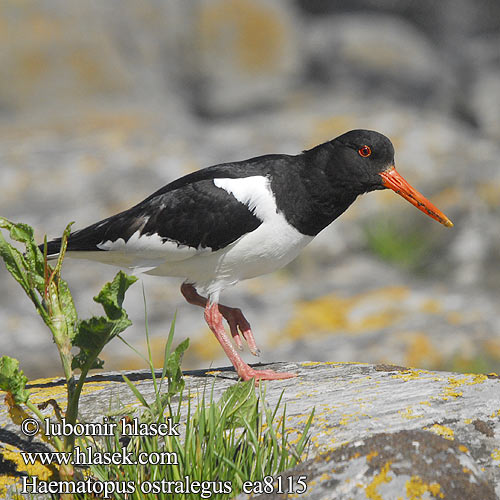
column 392, row 180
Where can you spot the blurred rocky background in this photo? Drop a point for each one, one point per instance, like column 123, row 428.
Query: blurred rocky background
column 102, row 103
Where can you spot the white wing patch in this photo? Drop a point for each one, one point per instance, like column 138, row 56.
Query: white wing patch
column 254, row 192
column 142, row 251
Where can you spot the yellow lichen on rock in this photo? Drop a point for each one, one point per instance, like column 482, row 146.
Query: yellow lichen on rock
column 13, row 454
column 408, row 414
column 467, row 379
column 442, row 430
column 416, row 488
column 382, row 477
column 409, row 374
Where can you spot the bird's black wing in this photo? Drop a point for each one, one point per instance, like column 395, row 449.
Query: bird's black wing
column 198, row 215
column 191, row 211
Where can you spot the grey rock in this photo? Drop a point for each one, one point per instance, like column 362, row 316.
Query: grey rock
column 449, row 21
column 241, row 55
column 381, row 428
column 372, row 54
column 390, row 465
column 486, row 101
column 97, row 111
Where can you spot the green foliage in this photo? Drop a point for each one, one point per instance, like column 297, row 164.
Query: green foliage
column 48, row 292
column 172, row 369
column 112, row 294
column 26, row 269
column 12, row 379
column 53, row 301
column 94, row 333
column 238, row 404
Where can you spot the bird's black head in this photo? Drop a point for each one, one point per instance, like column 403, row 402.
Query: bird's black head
column 361, row 156
column 363, row 160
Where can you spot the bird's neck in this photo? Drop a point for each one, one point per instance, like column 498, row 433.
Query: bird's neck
column 315, row 201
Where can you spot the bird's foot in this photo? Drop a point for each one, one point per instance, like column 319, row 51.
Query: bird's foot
column 239, row 324
column 247, row 373
column 213, row 316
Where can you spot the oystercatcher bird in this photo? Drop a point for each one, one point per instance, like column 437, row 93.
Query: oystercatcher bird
column 235, row 221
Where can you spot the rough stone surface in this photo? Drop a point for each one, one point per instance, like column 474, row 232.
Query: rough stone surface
column 403, row 464
column 377, row 430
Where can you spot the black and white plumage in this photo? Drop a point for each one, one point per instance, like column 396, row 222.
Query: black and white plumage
column 235, row 221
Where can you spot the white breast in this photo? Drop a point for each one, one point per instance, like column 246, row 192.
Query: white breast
column 273, row 244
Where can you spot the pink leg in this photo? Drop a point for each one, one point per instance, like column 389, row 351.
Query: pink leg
column 234, row 317
column 213, row 318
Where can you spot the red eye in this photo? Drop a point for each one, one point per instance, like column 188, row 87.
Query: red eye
column 364, row 151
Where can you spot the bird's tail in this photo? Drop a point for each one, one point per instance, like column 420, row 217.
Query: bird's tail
column 83, row 240
column 53, row 248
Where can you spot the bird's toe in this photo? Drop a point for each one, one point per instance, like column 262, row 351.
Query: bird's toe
column 250, row 373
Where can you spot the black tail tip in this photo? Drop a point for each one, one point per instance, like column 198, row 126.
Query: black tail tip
column 53, row 247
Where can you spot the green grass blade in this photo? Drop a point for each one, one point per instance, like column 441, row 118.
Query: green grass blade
column 136, row 392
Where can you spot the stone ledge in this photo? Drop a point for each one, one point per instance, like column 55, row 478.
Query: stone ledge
column 379, row 430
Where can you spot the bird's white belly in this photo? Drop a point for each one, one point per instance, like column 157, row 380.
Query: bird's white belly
column 262, row 251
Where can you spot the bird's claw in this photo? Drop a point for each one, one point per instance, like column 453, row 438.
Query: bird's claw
column 239, row 326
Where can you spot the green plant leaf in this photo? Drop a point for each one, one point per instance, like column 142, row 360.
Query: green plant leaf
column 168, row 345
column 112, row 294
column 13, row 259
column 21, row 232
column 239, row 403
column 12, row 379
column 68, row 307
column 81, row 359
column 172, row 368
column 94, row 333
column 48, row 292
column 136, row 391
column 91, row 337
column 32, row 259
